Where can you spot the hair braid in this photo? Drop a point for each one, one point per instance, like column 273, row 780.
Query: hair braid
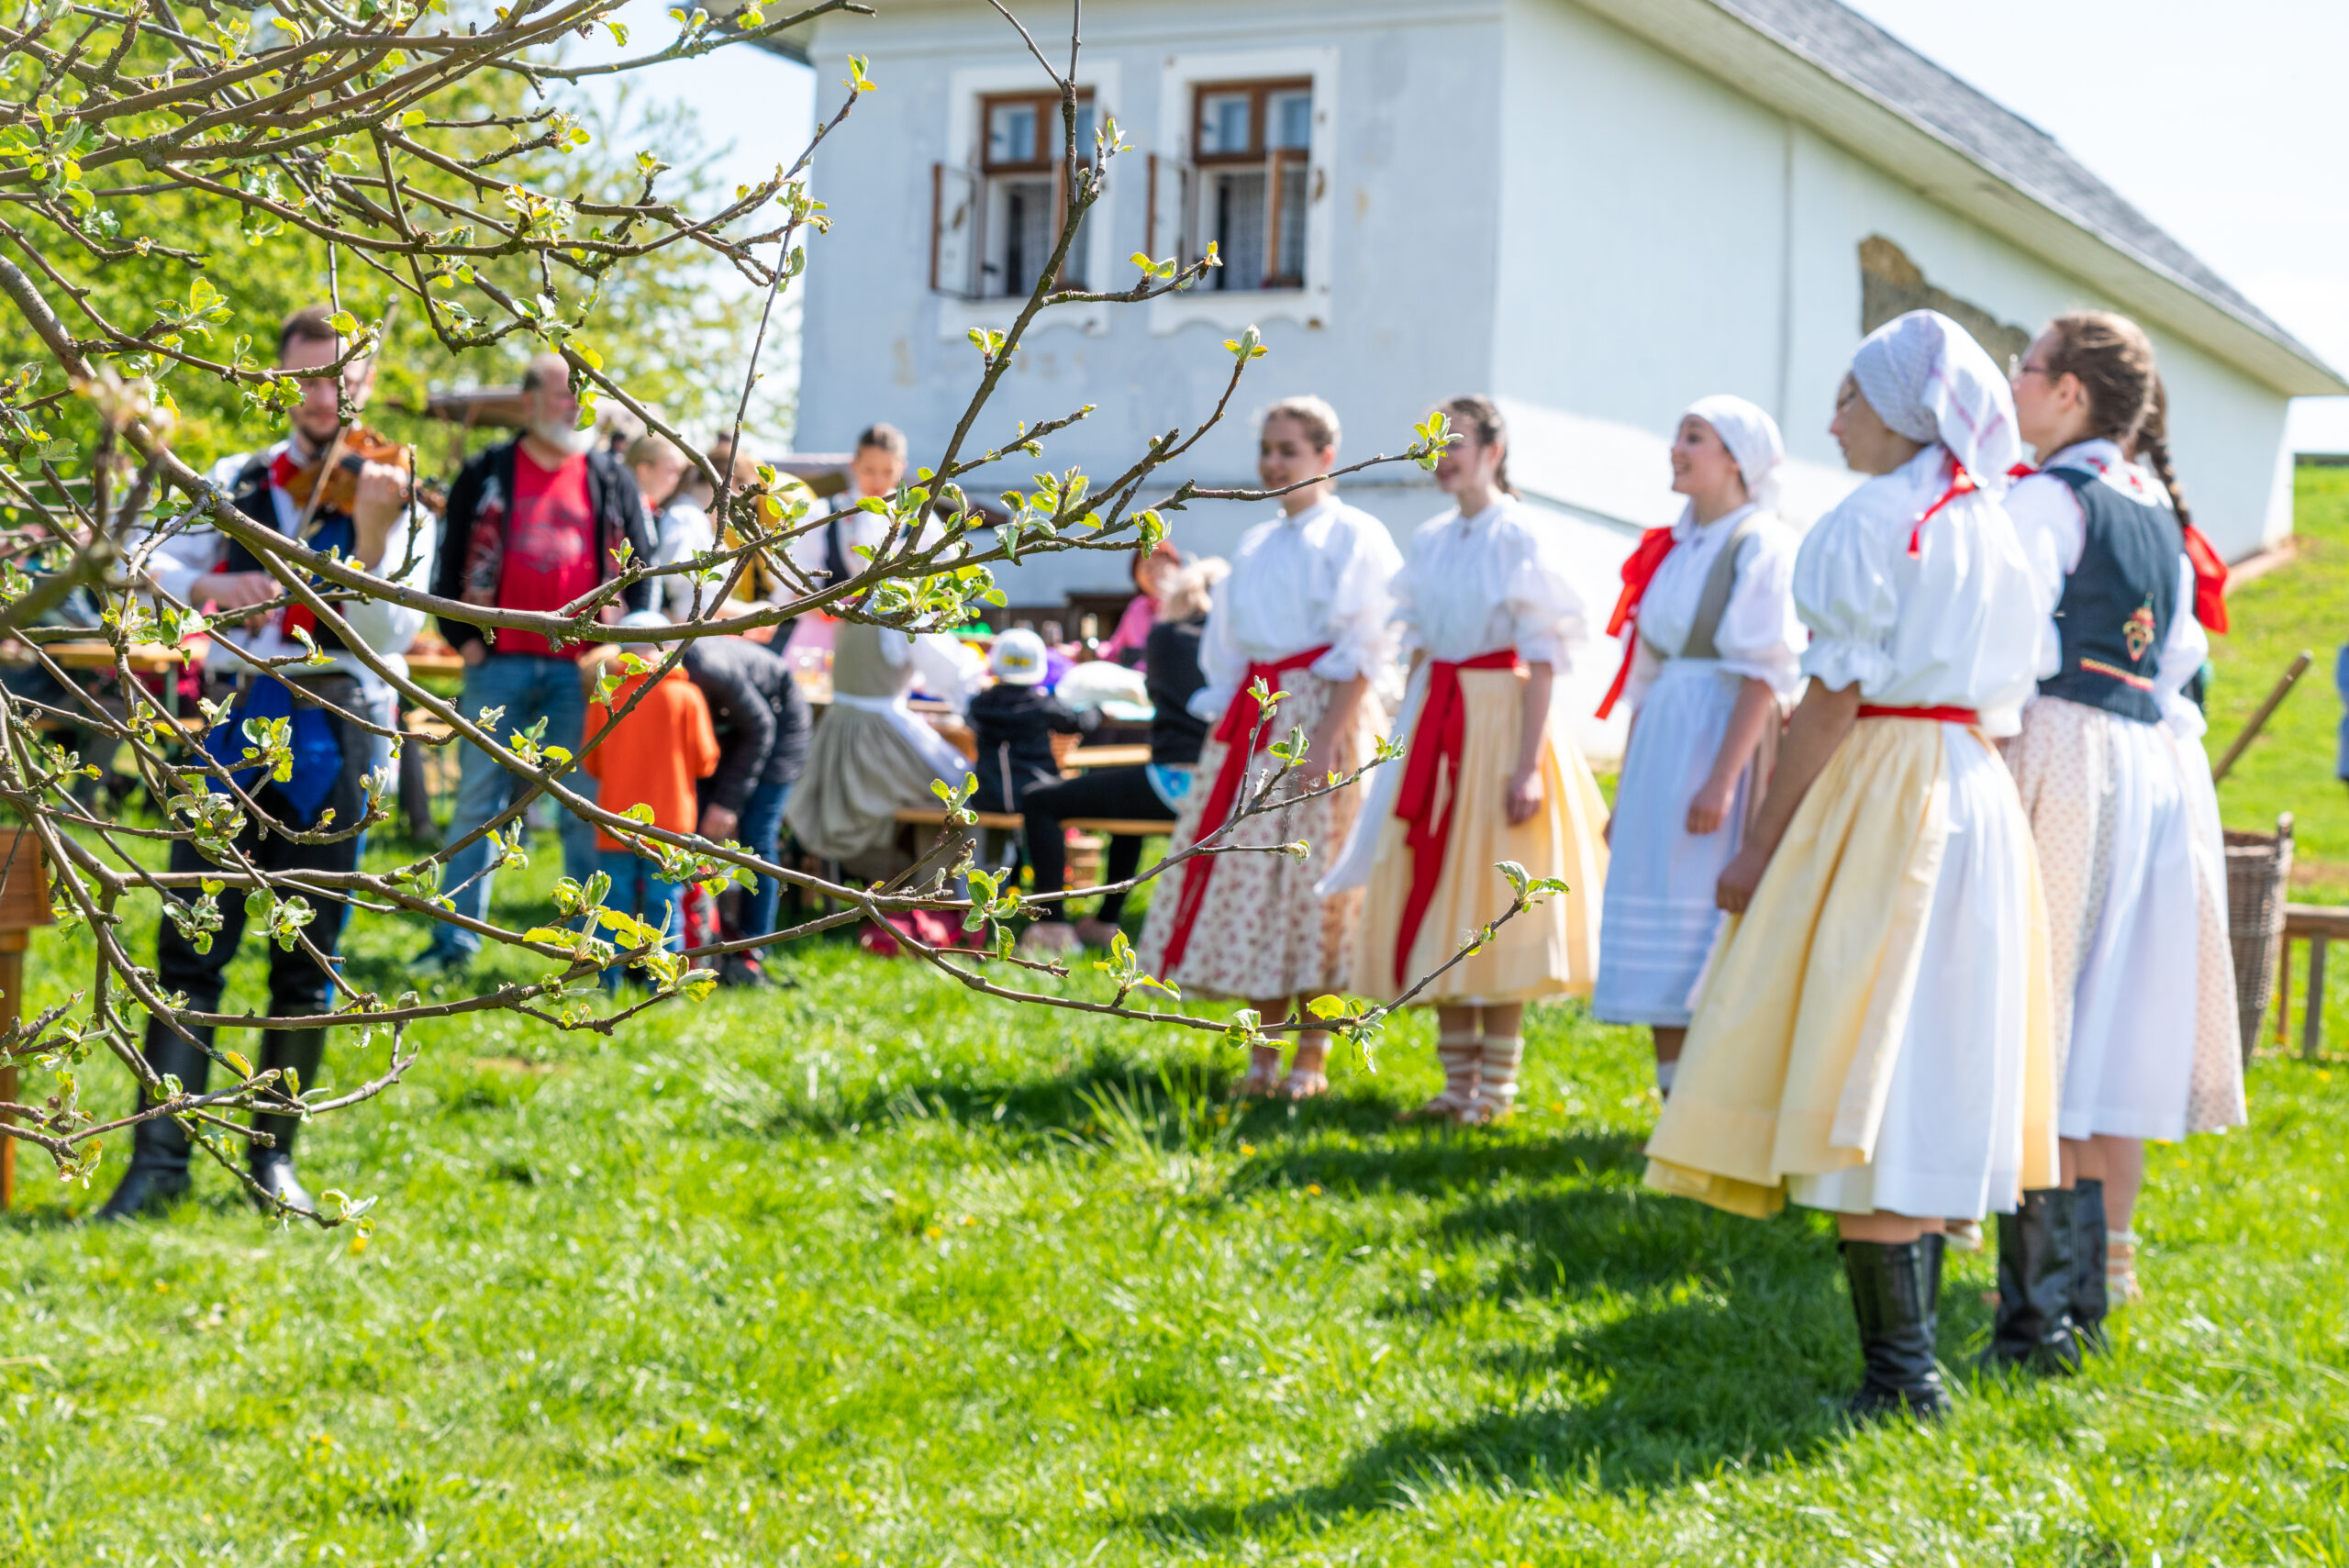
column 2153, row 445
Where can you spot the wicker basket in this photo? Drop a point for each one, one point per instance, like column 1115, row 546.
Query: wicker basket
column 2259, row 873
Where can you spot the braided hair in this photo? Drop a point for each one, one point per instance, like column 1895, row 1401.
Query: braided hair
column 2113, row 361
column 2153, row 445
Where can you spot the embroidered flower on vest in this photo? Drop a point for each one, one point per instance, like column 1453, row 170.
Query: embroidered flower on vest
column 2138, row 630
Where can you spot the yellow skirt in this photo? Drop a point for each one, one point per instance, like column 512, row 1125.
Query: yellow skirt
column 1877, row 1030
column 1551, row 950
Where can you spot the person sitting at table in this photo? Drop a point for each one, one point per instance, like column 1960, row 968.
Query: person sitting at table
column 873, row 755
column 1154, row 570
column 1014, row 722
column 1146, row 793
column 761, row 724
column 384, row 533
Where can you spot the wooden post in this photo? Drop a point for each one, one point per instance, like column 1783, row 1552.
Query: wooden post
column 2284, row 990
column 2312, row 1009
column 24, row 904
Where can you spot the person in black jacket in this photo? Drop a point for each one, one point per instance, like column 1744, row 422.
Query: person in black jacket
column 1144, row 794
column 532, row 524
column 1014, row 722
column 762, row 725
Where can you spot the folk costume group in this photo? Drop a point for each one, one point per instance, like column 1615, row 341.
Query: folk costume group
column 1915, row 869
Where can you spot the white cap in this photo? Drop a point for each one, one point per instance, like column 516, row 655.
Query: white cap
column 1018, row 658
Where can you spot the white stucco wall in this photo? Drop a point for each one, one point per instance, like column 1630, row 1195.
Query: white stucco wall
column 1410, row 196
column 1663, row 237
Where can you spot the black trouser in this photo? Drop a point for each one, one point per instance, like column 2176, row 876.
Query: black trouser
column 297, row 984
column 1104, row 792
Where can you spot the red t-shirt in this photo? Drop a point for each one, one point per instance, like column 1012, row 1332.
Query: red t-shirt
column 551, row 544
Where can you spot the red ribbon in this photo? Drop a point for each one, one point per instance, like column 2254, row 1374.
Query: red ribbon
column 1962, row 484
column 1440, row 736
column 2210, row 579
column 1639, row 571
column 1930, row 714
column 1238, row 725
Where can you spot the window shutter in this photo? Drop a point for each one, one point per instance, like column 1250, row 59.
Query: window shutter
column 954, row 231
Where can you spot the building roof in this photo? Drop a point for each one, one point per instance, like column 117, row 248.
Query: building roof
column 1779, row 50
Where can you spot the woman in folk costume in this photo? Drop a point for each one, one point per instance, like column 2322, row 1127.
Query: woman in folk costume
column 1873, row 1036
column 1711, row 657
column 1488, row 775
column 2110, row 769
column 1305, row 610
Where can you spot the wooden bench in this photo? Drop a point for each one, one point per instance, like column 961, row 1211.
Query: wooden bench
column 1011, row 821
column 2318, row 924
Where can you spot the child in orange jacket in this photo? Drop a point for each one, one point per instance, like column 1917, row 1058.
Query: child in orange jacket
column 653, row 757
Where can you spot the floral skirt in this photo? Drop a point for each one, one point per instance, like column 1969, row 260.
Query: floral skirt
column 1262, row 932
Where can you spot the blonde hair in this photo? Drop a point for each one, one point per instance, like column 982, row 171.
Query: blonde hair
column 1317, row 418
column 1193, row 589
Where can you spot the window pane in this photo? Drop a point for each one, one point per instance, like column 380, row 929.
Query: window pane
column 1288, row 268
column 1223, row 123
column 1291, row 118
column 1011, row 133
column 1085, row 132
column 1236, row 219
column 1027, row 236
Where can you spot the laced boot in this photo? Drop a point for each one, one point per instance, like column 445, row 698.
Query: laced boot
column 2034, row 1328
column 1896, row 1296
column 272, row 1168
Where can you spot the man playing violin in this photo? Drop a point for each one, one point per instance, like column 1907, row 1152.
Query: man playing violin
column 381, row 529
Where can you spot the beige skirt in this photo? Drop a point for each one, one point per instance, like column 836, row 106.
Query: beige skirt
column 1262, row 932
column 1549, row 951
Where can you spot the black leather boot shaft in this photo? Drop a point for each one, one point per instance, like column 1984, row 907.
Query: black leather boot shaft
column 2034, row 1328
column 160, row 1147
column 2090, row 1302
column 1896, row 1298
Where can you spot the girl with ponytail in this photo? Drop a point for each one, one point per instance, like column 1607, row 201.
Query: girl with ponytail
column 2110, row 769
column 1487, row 775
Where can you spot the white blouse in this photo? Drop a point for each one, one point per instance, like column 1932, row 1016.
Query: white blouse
column 1955, row 626
column 1296, row 582
column 1760, row 636
column 2054, row 528
column 1478, row 584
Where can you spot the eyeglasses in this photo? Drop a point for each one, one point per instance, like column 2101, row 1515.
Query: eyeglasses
column 2017, row 369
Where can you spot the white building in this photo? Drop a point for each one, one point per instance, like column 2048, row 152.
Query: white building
column 1596, row 210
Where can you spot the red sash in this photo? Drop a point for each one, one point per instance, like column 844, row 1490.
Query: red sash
column 1238, row 722
column 1961, row 484
column 1639, row 571
column 1930, row 714
column 2210, row 579
column 1440, row 736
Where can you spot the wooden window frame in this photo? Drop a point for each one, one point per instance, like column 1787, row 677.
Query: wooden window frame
column 1260, row 94
column 1049, row 131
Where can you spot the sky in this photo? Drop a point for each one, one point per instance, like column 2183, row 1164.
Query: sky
column 2218, row 122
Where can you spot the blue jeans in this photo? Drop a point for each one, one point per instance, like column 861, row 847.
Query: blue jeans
column 528, row 686
column 760, row 829
column 638, row 890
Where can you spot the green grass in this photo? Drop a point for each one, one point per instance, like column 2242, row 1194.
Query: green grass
column 875, row 1272
column 2289, row 767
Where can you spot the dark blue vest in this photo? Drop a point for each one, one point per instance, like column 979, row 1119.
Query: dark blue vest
column 2118, row 603
column 250, row 494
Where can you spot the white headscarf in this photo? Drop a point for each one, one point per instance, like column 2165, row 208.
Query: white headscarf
column 1927, row 378
column 1752, row 438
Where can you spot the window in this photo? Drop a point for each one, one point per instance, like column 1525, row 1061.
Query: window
column 1251, row 180
column 994, row 229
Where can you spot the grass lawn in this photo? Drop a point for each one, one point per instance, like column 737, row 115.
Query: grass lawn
column 873, row 1273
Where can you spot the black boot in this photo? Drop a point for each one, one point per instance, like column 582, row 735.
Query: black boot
column 2090, row 1302
column 2033, row 1329
column 159, row 1149
column 1896, row 1295
column 273, row 1167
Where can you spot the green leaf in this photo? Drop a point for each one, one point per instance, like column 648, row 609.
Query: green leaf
column 1326, row 1006
column 342, row 321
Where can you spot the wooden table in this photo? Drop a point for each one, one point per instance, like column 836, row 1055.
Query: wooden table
column 1086, row 757
column 145, row 658
column 2318, row 924
column 448, row 663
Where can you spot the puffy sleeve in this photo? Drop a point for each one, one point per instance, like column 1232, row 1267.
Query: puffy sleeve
column 1760, row 636
column 176, row 562
column 2183, row 652
column 1361, row 605
column 1544, row 612
column 388, row 628
column 946, row 670
column 1845, row 593
column 1222, row 661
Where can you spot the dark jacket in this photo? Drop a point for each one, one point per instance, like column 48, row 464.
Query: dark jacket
column 482, row 494
column 1172, row 676
column 759, row 713
column 1014, row 726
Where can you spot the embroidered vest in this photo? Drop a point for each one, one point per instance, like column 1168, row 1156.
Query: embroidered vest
column 2118, row 603
column 250, row 494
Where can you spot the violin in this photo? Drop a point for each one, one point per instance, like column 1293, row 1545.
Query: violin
column 355, row 447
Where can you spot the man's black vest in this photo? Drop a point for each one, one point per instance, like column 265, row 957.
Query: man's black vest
column 250, row 494
column 2118, row 603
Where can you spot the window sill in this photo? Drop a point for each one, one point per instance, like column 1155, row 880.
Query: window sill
column 1233, row 309
column 956, row 317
